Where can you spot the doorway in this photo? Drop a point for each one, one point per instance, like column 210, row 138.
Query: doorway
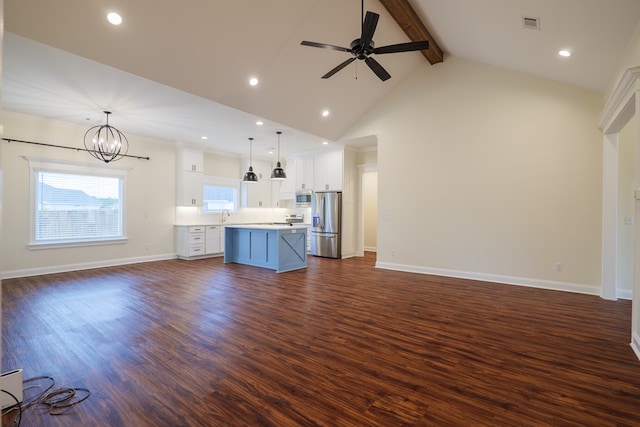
column 621, row 110
column 368, row 208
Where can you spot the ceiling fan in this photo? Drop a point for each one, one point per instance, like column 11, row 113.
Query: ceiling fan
column 361, row 48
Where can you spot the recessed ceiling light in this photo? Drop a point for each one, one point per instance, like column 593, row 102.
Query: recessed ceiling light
column 564, row 53
column 259, row 122
column 325, row 113
column 114, row 18
column 204, row 137
column 325, row 143
column 253, row 81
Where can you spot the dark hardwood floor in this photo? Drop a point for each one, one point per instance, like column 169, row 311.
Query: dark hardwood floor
column 201, row 343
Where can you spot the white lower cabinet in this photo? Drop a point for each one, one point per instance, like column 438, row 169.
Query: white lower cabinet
column 212, row 240
column 196, row 241
column 222, row 239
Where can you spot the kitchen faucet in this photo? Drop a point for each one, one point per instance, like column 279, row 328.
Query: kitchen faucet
column 222, row 215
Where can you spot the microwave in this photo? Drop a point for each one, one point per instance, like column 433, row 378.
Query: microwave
column 303, row 198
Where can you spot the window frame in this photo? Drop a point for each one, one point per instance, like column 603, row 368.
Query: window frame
column 37, row 165
column 219, row 181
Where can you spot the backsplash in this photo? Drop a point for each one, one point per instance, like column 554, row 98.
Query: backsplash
column 187, row 215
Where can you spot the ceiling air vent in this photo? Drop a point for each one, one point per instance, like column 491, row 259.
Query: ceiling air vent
column 531, row 22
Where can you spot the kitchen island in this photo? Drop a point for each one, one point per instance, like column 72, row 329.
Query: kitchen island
column 278, row 247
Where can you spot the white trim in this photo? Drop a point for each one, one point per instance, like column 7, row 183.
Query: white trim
column 362, row 169
column 625, row 294
column 609, row 216
column 77, row 243
column 39, row 164
column 610, row 118
column 97, row 169
column 622, row 105
column 484, row 277
column 83, row 266
column 635, row 344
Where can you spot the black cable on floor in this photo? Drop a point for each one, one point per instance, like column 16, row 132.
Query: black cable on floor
column 57, row 402
column 18, row 419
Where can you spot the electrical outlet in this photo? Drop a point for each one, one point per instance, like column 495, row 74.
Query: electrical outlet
column 559, row 266
column 393, row 252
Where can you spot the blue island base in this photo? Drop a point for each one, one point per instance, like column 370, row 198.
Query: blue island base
column 280, row 248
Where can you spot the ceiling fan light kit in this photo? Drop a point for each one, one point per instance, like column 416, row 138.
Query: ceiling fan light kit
column 363, row 47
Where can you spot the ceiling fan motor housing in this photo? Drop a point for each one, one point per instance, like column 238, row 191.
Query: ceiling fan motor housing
column 360, row 51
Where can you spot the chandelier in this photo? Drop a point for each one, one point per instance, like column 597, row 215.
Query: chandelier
column 106, row 143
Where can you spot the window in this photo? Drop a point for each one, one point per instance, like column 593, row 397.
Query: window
column 74, row 204
column 220, row 194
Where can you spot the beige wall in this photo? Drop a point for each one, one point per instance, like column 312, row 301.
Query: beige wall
column 488, row 173
column 220, row 165
column 630, row 58
column 149, row 209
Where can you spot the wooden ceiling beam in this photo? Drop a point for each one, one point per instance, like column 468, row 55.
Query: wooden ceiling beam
column 411, row 24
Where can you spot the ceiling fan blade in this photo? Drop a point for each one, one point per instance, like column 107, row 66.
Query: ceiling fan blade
column 325, row 46
column 368, row 28
column 402, row 47
column 338, row 68
column 377, row 68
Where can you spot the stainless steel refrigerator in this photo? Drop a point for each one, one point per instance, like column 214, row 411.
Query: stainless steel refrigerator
column 326, row 225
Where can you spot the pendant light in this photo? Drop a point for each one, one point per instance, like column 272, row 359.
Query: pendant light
column 278, row 173
column 250, row 177
column 106, row 143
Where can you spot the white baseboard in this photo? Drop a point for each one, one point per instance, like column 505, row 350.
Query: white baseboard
column 625, row 294
column 82, row 266
column 509, row 280
column 370, row 249
column 635, row 344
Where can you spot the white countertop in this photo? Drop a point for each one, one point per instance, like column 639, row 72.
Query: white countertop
column 236, row 224
column 269, row 226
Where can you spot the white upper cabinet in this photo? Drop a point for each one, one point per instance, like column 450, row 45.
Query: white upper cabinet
column 288, row 186
column 304, row 172
column 257, row 195
column 189, row 189
column 190, row 160
column 328, row 170
column 189, row 177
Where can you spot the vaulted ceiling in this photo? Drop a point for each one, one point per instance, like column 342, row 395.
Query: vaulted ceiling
column 179, row 70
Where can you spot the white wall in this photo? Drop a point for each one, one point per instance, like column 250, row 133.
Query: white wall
column 488, row 173
column 149, row 203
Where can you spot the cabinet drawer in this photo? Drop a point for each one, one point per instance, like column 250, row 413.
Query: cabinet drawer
column 196, row 229
column 196, row 250
column 196, row 238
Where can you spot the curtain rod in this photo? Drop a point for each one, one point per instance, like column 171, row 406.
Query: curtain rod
column 10, row 140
